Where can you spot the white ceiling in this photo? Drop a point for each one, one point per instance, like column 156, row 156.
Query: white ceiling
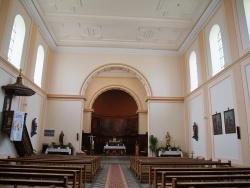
column 166, row 26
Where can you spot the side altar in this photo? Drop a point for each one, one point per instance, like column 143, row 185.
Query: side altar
column 114, row 147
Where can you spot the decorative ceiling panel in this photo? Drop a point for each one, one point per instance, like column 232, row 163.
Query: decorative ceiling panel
column 140, row 24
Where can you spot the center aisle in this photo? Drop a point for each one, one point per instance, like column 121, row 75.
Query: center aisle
column 102, row 175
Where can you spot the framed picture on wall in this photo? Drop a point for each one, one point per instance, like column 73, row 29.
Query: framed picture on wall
column 229, row 121
column 217, row 125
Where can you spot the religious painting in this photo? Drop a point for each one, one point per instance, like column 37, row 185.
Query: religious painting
column 106, row 126
column 229, row 121
column 217, row 125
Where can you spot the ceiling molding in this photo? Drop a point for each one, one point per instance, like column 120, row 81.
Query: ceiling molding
column 33, row 12
column 68, row 97
column 212, row 8
column 165, row 99
column 115, row 50
column 31, row 9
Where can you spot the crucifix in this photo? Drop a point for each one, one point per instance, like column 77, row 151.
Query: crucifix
column 192, row 154
column 91, row 137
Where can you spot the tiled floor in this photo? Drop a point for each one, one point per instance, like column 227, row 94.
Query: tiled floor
column 99, row 181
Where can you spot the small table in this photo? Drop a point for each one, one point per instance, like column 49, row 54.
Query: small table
column 58, row 151
column 170, row 153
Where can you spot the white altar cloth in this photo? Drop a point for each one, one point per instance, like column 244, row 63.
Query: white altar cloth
column 172, row 153
column 114, row 147
column 56, row 150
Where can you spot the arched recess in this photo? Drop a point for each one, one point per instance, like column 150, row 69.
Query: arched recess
column 122, row 67
column 117, row 87
column 121, row 70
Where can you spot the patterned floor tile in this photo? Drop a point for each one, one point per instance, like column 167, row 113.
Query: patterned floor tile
column 100, row 179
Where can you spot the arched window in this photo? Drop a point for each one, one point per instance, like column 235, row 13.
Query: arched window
column 39, row 66
column 246, row 4
column 193, row 71
column 216, row 49
column 16, row 41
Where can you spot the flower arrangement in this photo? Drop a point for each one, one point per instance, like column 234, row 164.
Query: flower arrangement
column 52, row 145
column 69, row 145
column 162, row 149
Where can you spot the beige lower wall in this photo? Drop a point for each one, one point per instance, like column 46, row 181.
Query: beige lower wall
column 166, row 117
column 66, row 116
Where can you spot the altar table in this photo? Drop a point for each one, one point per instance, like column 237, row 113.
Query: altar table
column 114, row 150
column 170, row 154
column 58, row 151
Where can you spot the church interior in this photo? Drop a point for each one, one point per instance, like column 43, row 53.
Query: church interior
column 154, row 79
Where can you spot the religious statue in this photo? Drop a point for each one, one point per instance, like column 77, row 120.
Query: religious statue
column 195, row 131
column 168, row 139
column 33, row 127
column 61, row 138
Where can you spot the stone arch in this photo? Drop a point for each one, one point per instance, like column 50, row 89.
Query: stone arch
column 122, row 67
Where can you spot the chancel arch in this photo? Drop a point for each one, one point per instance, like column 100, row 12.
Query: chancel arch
column 125, row 69
column 123, row 82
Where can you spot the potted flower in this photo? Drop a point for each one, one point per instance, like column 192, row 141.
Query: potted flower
column 153, row 144
column 162, row 149
column 69, row 145
column 178, row 148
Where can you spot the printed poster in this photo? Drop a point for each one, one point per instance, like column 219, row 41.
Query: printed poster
column 17, row 126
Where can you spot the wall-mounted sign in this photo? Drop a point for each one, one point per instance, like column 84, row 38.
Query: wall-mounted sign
column 49, row 133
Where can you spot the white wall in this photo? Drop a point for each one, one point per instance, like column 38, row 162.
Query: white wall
column 6, row 147
column 34, row 110
column 196, row 115
column 246, row 74
column 69, row 70
column 166, row 117
column 222, row 97
column 66, row 116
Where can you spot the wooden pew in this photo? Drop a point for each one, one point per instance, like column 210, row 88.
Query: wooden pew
column 201, row 175
column 155, row 173
column 144, row 165
column 91, row 163
column 72, row 174
column 34, row 179
column 162, row 160
column 75, row 173
column 236, row 183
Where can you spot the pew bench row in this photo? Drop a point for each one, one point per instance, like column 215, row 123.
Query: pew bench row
column 85, row 169
column 141, row 166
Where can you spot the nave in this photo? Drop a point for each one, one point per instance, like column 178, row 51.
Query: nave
column 107, row 162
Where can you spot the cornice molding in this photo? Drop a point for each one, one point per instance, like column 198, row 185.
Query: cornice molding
column 142, row 111
column 68, row 97
column 89, row 110
column 116, row 50
column 31, row 9
column 212, row 8
column 26, row 80
column 165, row 99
